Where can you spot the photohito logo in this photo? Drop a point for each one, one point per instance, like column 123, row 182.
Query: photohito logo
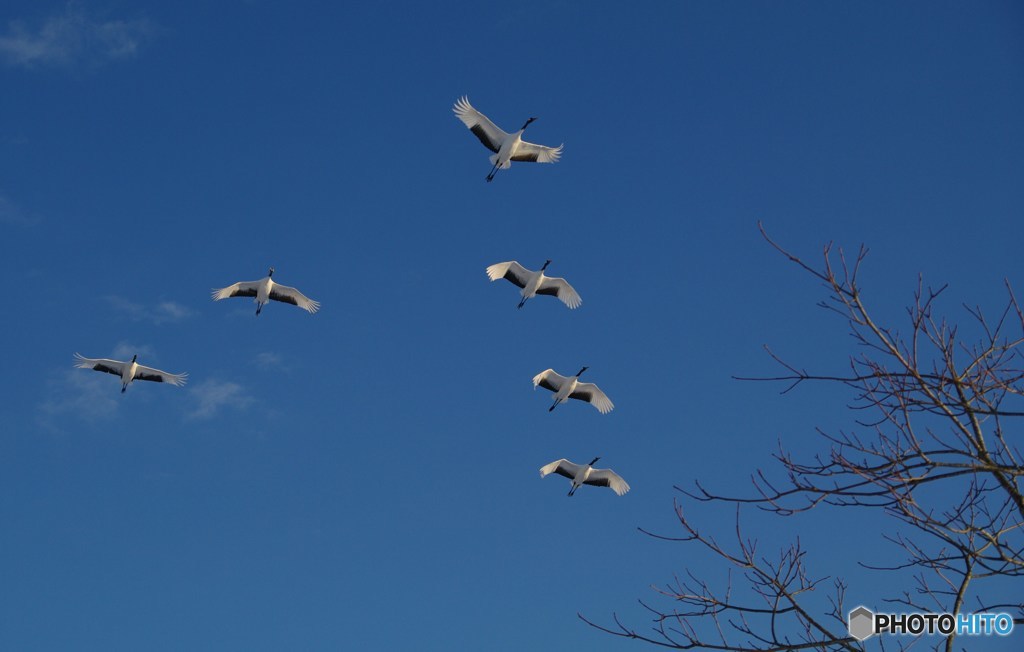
column 863, row 623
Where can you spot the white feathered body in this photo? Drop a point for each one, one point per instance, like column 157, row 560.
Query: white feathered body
column 263, row 291
column 530, row 289
column 568, row 387
column 532, row 283
column 582, row 474
column 506, row 147
column 128, row 374
column 129, row 371
column 565, row 388
column 503, row 159
column 266, row 290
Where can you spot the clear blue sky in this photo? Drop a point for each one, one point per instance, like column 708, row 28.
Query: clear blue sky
column 366, row 477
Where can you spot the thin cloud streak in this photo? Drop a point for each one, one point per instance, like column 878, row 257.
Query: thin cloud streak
column 80, row 395
column 171, row 311
column 164, row 312
column 11, row 215
column 125, row 350
column 70, row 37
column 268, row 360
column 87, row 395
column 211, row 396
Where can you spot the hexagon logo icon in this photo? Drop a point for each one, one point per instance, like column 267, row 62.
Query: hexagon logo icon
column 861, row 623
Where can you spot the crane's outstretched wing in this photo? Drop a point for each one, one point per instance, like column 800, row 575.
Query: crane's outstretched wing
column 511, row 270
column 607, row 478
column 240, row 289
column 561, row 467
column 479, row 124
column 115, row 367
column 285, row 294
column 590, row 393
column 157, row 376
column 548, row 379
column 537, row 153
column 559, row 287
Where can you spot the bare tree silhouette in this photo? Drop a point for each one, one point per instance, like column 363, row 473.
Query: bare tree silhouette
column 934, row 412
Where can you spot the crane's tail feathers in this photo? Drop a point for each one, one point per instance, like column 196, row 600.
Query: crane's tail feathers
column 493, row 158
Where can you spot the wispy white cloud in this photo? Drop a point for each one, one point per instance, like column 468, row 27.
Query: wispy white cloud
column 80, row 395
column 125, row 351
column 212, row 395
column 72, row 36
column 163, row 312
column 268, row 360
column 11, row 215
column 171, row 311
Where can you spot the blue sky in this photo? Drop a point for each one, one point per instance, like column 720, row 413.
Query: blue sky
column 366, row 477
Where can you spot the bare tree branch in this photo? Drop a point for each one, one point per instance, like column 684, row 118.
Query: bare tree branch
column 935, row 457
